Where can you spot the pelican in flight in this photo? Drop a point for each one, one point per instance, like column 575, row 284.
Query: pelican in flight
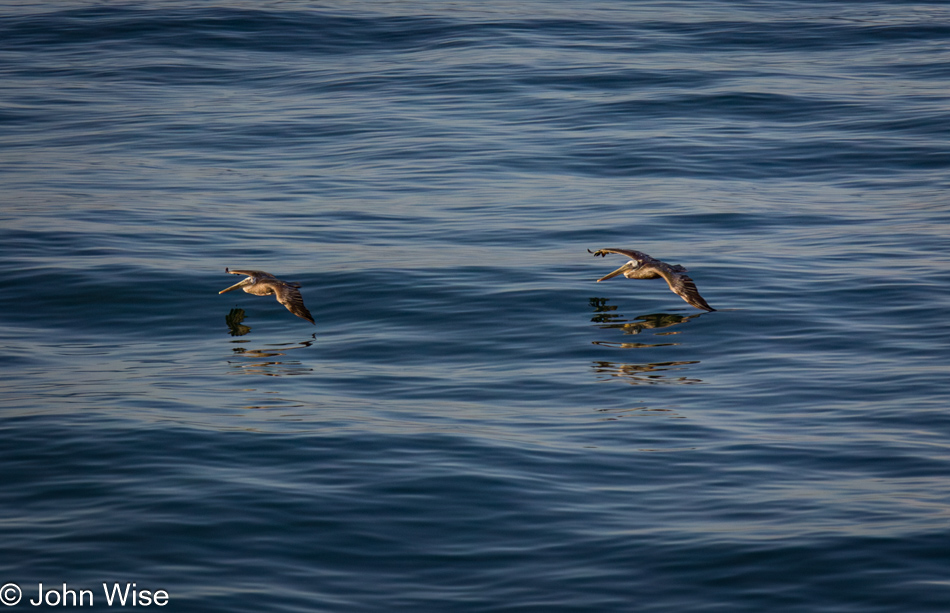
column 642, row 266
column 262, row 283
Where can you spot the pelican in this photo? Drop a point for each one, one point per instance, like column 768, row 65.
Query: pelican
column 642, row 266
column 262, row 283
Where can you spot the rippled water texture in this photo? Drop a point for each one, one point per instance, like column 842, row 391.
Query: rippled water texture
column 474, row 423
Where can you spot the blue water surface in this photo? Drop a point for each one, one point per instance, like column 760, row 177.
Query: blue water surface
column 474, row 423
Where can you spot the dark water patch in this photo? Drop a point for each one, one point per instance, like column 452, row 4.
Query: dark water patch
column 751, row 106
column 752, row 158
column 778, row 35
column 220, row 28
column 452, row 495
column 617, row 78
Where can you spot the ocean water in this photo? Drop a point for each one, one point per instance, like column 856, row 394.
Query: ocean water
column 474, row 423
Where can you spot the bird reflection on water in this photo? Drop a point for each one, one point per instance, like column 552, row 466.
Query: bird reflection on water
column 262, row 364
column 234, row 319
column 643, row 374
column 605, row 316
column 641, row 411
column 260, row 361
column 269, row 360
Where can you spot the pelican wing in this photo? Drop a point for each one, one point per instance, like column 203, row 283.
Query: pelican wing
column 260, row 274
column 289, row 296
column 639, row 256
column 683, row 286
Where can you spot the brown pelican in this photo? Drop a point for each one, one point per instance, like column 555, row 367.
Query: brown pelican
column 642, row 266
column 261, row 283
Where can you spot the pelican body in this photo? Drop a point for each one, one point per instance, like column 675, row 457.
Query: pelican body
column 261, row 283
column 642, row 266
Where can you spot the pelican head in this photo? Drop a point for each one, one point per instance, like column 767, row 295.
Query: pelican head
column 629, row 266
column 238, row 285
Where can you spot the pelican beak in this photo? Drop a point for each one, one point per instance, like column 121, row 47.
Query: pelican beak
column 628, row 266
column 236, row 286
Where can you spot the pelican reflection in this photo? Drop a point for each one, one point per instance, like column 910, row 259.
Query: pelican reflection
column 657, row 373
column 269, row 360
column 616, row 414
column 606, row 317
column 234, row 319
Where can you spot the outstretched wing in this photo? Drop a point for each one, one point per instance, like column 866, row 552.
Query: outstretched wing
column 683, row 286
column 260, row 274
column 630, row 253
column 290, row 297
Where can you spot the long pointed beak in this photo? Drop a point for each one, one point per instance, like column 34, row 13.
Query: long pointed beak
column 628, row 266
column 236, row 286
